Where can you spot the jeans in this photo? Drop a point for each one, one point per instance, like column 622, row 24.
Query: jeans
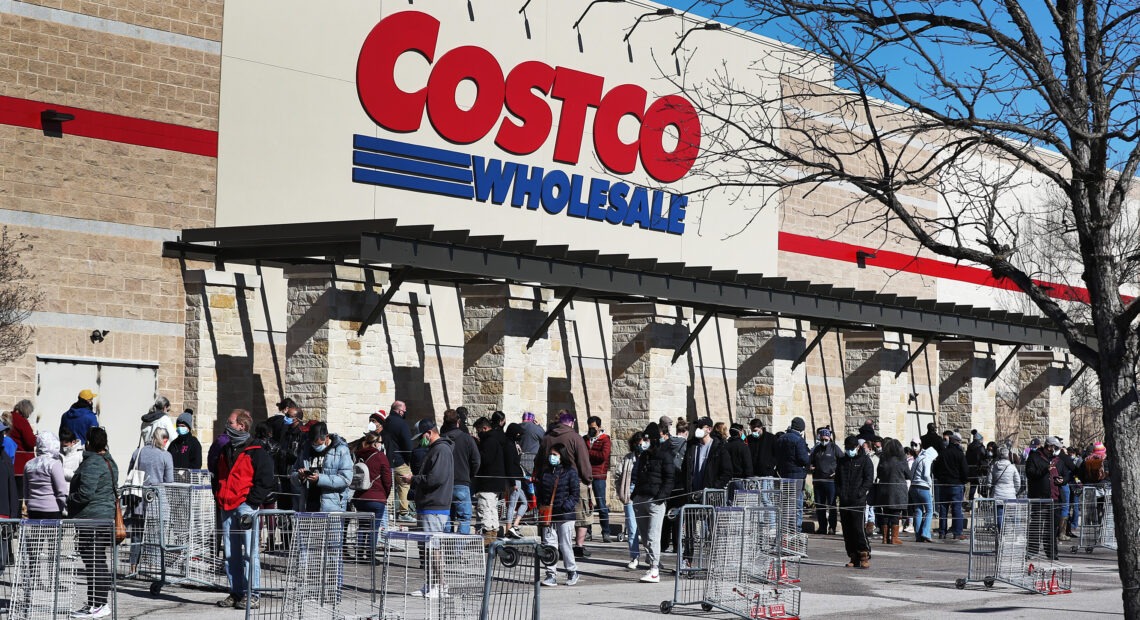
column 461, row 509
column 799, row 506
column 951, row 502
column 488, row 504
column 923, row 503
column 243, row 567
column 599, row 488
column 1064, row 502
column 1074, row 506
column 516, row 504
column 650, row 514
column 631, row 532
column 825, row 512
column 561, row 534
column 365, row 537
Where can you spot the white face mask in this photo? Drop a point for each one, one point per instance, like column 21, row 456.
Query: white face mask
column 699, row 433
column 371, row 427
column 644, row 446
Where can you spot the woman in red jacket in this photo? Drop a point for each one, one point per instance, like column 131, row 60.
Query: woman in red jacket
column 374, row 499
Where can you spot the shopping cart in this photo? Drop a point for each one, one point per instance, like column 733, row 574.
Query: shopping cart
column 175, row 543
column 695, row 525
column 733, row 584
column 1023, row 549
column 432, row 576
column 55, row 566
column 714, row 497
column 1097, row 525
column 192, row 476
column 771, row 564
column 511, row 589
column 785, row 492
column 328, row 570
column 981, row 563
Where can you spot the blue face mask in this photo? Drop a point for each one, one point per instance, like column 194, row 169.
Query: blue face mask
column 318, row 448
column 288, row 420
column 555, row 460
column 851, row 453
column 182, row 430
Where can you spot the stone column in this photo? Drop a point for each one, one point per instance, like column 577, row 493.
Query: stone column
column 965, row 402
column 1043, row 409
column 219, row 347
column 499, row 371
column 767, row 387
column 646, row 382
column 871, row 361
column 333, row 373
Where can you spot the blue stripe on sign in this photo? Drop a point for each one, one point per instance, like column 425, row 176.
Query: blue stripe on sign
column 411, row 166
column 417, row 184
column 426, row 153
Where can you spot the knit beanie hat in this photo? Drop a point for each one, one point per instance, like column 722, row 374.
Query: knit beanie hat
column 798, row 424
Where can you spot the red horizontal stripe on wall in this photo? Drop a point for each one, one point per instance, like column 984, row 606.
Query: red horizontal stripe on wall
column 112, row 127
column 897, row 261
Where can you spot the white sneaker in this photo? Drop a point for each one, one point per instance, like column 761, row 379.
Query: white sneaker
column 100, row 611
column 82, row 612
column 550, row 580
column 632, row 564
column 651, row 577
column 426, row 592
column 573, row 579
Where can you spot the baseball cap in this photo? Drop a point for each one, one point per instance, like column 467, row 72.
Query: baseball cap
column 665, row 421
column 423, row 426
column 705, row 421
column 87, row 395
column 1053, row 441
column 823, row 432
column 528, row 416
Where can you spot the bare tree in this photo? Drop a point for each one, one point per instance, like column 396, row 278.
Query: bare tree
column 986, row 109
column 18, row 296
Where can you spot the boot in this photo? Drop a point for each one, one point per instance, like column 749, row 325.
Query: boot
column 886, row 539
column 864, row 559
column 1064, row 530
column 895, row 540
column 489, row 536
column 854, row 561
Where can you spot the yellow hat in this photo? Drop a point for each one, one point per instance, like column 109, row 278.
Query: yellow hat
column 87, row 395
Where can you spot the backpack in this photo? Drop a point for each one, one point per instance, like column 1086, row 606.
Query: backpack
column 361, row 478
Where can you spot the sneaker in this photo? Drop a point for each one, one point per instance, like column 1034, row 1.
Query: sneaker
column 606, row 538
column 514, row 532
column 99, row 611
column 253, row 603
column 651, row 577
column 406, row 518
column 632, row 564
column 228, row 601
column 572, row 579
column 427, row 592
column 550, row 580
column 82, row 612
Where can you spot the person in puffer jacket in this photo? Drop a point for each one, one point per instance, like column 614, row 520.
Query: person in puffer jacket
column 323, row 471
column 920, row 495
column 559, row 491
column 654, row 475
column 1005, row 480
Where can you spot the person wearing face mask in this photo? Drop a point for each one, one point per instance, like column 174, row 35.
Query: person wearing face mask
column 323, row 471
column 762, row 445
column 498, row 467
column 157, row 467
column 287, row 430
column 1044, row 482
column 626, row 483
column 854, row 476
column 599, row 447
column 792, row 461
column 654, row 475
column 558, row 491
column 707, row 464
column 245, row 481
column 824, row 463
column 466, row 461
column 919, row 496
column 952, row 474
column 70, row 451
column 374, row 499
column 740, row 456
column 576, row 453
column 45, row 488
column 185, row 449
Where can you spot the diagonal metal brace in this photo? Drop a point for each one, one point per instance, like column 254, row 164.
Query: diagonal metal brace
column 393, row 285
column 913, row 356
column 811, row 346
column 684, row 348
column 552, row 317
column 1073, row 379
column 1005, row 362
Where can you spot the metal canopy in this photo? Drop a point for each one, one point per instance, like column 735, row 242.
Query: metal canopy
column 423, row 253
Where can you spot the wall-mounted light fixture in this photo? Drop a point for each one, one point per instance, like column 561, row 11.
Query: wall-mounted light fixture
column 52, row 122
column 98, row 335
column 590, row 6
column 706, row 26
column 658, row 13
column 861, row 258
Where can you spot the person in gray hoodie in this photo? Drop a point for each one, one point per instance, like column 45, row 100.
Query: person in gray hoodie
column 436, row 481
column 921, row 484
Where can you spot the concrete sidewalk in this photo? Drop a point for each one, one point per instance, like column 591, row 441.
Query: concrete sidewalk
column 907, row 581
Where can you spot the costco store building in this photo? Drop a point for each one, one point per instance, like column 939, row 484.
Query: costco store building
column 456, row 203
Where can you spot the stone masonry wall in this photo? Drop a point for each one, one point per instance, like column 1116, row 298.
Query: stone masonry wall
column 1043, row 409
column 646, row 382
column 767, row 386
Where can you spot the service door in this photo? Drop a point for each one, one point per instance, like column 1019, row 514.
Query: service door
column 125, row 392
column 916, row 422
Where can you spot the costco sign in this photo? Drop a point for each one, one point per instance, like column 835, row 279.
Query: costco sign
column 526, row 92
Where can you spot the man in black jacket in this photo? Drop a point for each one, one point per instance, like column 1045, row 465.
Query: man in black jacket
column 976, row 461
column 931, row 439
column 1043, row 481
column 466, row 461
column 740, row 456
column 707, row 464
column 854, row 475
column 824, row 463
column 285, row 431
column 951, row 473
column 496, row 469
column 762, row 445
column 397, row 434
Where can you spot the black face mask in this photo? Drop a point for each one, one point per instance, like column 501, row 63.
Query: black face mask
column 593, row 432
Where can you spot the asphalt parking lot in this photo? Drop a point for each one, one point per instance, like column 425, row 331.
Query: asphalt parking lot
column 907, row 581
